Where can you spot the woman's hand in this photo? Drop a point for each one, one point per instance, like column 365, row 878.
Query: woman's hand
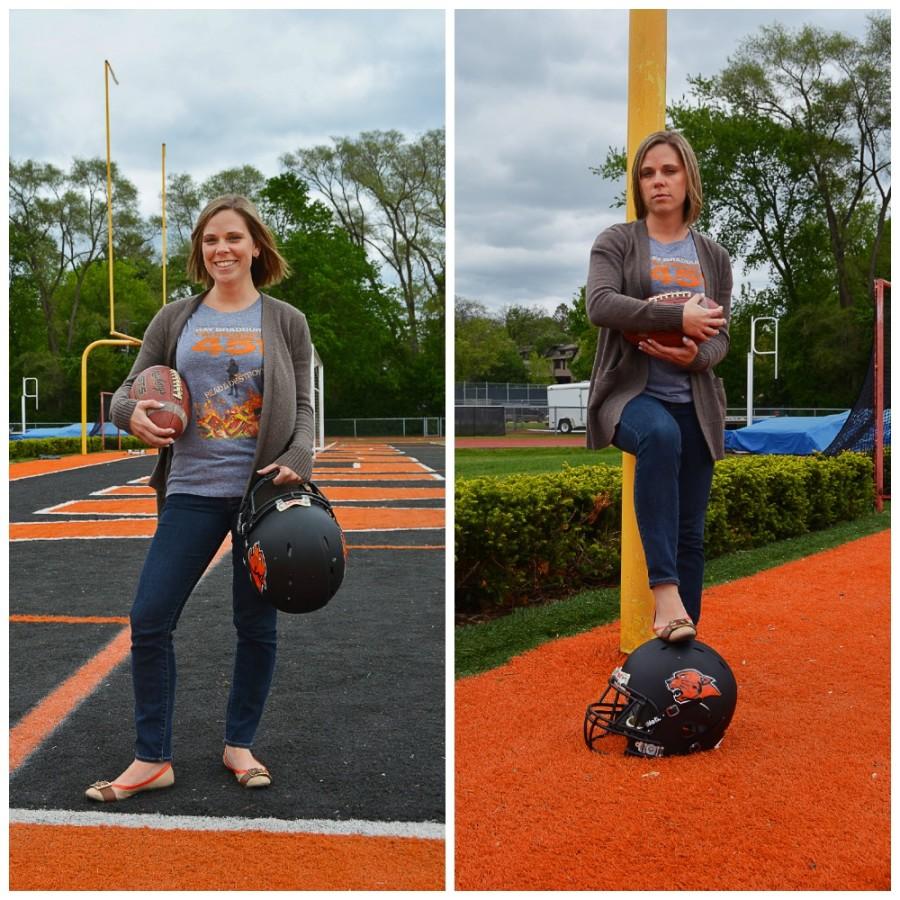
column 142, row 426
column 700, row 323
column 284, row 476
column 681, row 356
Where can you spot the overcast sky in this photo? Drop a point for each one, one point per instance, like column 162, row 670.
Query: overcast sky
column 221, row 88
column 540, row 96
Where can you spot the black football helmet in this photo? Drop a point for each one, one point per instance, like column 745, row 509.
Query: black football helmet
column 667, row 699
column 293, row 546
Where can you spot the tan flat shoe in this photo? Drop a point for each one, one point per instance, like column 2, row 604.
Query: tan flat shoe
column 110, row 791
column 676, row 630
column 256, row 777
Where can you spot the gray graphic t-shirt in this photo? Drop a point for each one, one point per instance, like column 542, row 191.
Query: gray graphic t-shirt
column 220, row 356
column 673, row 267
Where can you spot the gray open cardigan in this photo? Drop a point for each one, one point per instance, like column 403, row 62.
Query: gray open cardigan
column 286, row 422
column 617, row 287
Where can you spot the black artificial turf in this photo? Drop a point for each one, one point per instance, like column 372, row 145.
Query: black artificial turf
column 354, row 727
column 431, row 455
column 41, row 655
column 30, row 494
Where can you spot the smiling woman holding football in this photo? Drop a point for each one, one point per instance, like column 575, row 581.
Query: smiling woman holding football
column 233, row 346
column 664, row 404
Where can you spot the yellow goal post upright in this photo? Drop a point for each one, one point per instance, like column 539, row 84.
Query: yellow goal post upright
column 646, row 113
column 116, row 339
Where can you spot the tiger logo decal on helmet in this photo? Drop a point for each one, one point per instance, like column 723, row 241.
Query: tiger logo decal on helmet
column 256, row 563
column 691, row 684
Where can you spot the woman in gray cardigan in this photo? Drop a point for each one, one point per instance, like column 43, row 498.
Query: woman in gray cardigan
column 663, row 404
column 246, row 359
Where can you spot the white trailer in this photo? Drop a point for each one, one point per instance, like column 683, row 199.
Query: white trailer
column 567, row 406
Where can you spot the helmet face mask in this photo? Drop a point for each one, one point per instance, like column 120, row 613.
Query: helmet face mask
column 667, row 699
column 619, row 711
column 293, row 547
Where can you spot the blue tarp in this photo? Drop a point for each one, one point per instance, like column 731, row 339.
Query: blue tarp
column 66, row 431
column 799, row 435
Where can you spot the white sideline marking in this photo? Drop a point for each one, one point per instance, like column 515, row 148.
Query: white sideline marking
column 47, row 510
column 109, row 491
column 60, row 510
column 434, row 473
column 147, row 537
column 425, row 830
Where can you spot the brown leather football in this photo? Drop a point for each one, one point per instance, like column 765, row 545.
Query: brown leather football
column 166, row 386
column 666, row 338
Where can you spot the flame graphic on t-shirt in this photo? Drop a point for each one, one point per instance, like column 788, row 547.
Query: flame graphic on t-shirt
column 234, row 422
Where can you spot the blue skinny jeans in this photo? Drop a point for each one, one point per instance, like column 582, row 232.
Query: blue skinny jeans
column 190, row 530
column 672, row 480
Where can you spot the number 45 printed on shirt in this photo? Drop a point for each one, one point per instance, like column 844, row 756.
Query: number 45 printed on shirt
column 669, row 274
column 237, row 344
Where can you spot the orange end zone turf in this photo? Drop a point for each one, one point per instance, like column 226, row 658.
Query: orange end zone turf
column 110, row 858
column 797, row 797
column 131, row 506
column 70, row 620
column 328, row 476
column 129, row 490
column 63, row 464
column 350, row 518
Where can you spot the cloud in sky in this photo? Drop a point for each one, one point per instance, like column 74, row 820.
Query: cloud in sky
column 221, row 88
column 540, row 97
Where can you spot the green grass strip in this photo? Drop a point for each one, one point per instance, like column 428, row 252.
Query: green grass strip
column 485, row 646
column 473, row 463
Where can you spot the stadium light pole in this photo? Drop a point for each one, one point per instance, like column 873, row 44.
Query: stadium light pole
column 646, row 113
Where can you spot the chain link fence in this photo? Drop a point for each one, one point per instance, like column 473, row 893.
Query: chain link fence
column 419, row 426
column 499, row 393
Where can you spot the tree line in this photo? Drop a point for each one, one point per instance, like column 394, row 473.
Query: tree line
column 793, row 142
column 510, row 345
column 368, row 272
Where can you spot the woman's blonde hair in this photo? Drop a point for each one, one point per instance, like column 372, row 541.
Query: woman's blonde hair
column 693, row 201
column 269, row 267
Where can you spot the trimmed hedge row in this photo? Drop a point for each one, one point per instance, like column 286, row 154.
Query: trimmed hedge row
column 518, row 534
column 526, row 537
column 64, row 446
